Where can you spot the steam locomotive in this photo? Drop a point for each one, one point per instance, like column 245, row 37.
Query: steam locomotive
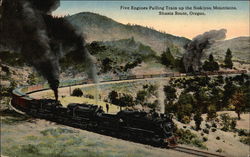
column 138, row 126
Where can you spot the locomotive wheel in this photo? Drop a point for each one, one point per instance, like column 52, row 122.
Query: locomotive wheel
column 126, row 136
column 93, row 126
column 84, row 126
column 158, row 142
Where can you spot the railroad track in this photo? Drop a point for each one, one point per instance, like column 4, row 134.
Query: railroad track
column 196, row 152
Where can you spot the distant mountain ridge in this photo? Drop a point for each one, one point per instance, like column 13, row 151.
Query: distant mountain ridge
column 239, row 46
column 101, row 28
column 96, row 27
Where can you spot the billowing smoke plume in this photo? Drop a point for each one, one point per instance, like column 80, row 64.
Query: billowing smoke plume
column 27, row 27
column 194, row 49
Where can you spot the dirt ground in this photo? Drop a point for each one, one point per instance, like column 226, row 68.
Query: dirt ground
column 65, row 98
column 229, row 141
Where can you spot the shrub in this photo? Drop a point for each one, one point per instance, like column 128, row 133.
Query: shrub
column 214, row 125
column 32, row 80
column 32, row 149
column 233, row 124
column 186, row 137
column 242, row 132
column 206, row 131
column 213, row 129
column 89, row 96
column 245, row 140
column 77, row 92
column 198, row 119
column 219, row 150
column 224, row 129
column 193, row 128
column 208, row 126
column 198, row 143
column 56, row 131
column 141, row 97
column 228, row 123
column 204, row 139
column 217, row 138
column 186, row 120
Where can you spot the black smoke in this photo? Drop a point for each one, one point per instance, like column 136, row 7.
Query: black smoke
column 27, row 27
column 194, row 49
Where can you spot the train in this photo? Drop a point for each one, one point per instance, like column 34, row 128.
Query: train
column 152, row 128
column 138, row 126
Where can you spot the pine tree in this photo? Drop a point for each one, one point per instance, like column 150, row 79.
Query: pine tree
column 113, row 97
column 167, row 58
column 210, row 65
column 198, row 119
column 228, row 59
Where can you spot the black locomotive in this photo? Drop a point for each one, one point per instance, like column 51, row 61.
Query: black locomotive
column 148, row 128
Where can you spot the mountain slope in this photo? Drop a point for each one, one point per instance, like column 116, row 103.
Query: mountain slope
column 240, row 48
column 100, row 28
column 130, row 46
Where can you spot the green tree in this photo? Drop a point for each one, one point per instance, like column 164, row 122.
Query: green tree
column 95, row 47
column 152, row 90
column 210, row 65
column 180, row 65
column 219, row 79
column 170, row 93
column 202, row 100
column 152, row 105
column 113, row 97
column 211, row 114
column 32, row 79
column 141, row 97
column 184, row 106
column 167, row 58
column 77, row 92
column 216, row 95
column 239, row 101
column 226, row 121
column 198, row 119
column 228, row 59
column 106, row 65
column 133, row 64
column 229, row 89
column 126, row 100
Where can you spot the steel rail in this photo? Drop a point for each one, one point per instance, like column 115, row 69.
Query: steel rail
column 196, row 152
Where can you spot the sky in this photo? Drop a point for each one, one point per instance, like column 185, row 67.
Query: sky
column 235, row 21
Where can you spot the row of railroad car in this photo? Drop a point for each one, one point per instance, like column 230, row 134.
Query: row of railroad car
column 39, row 87
column 177, row 74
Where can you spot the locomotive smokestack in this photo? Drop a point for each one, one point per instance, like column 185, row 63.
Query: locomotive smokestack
column 194, row 49
column 55, row 88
